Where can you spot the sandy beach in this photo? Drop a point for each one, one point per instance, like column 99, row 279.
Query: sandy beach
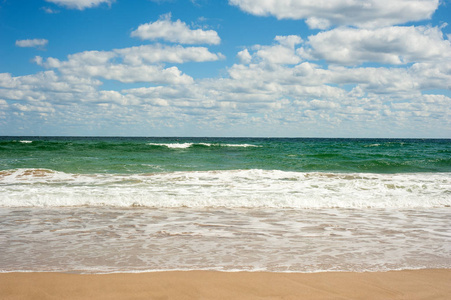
column 418, row 284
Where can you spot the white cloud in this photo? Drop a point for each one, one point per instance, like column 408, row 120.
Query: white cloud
column 176, row 32
column 244, row 56
column 277, row 98
column 133, row 74
column 281, row 53
column 49, row 10
column 135, row 64
column 318, row 23
column 289, row 41
column 36, row 86
column 33, row 107
column 432, row 75
column 80, row 4
column 38, row 43
column 171, row 54
column 389, row 45
column 273, row 89
column 120, row 72
column 321, row 13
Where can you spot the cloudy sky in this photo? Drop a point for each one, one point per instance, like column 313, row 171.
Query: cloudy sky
column 294, row 68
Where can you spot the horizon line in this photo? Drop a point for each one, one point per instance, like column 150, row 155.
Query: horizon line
column 231, row 137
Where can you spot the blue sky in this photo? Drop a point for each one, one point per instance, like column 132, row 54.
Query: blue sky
column 335, row 68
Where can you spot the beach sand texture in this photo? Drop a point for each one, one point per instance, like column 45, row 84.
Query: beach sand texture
column 417, row 284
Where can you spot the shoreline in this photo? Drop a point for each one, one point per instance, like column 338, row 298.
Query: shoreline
column 404, row 284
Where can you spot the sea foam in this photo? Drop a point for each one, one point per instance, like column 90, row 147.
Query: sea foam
column 188, row 145
column 225, row 188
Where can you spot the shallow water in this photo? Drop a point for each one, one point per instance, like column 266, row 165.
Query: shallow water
column 97, row 240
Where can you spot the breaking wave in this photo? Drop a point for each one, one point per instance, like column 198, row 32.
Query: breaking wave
column 189, row 145
column 225, row 188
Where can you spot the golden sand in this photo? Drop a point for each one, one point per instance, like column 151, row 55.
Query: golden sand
column 418, row 284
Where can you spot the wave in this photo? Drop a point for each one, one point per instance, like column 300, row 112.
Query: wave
column 188, row 145
column 225, row 188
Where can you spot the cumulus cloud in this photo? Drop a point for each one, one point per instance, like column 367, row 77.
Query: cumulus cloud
column 389, row 45
column 119, row 72
column 134, row 64
column 276, row 86
column 171, row 54
column 29, row 86
column 36, row 43
column 318, row 23
column 80, row 4
column 244, row 56
column 323, row 13
column 282, row 52
column 176, row 32
column 272, row 96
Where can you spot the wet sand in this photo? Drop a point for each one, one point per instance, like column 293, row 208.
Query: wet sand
column 417, row 284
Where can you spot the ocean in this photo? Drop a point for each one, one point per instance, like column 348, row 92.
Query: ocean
column 123, row 204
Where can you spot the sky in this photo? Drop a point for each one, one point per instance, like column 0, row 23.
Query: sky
column 258, row 68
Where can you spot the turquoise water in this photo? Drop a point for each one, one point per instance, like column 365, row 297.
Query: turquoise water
column 95, row 205
column 147, row 155
column 224, row 172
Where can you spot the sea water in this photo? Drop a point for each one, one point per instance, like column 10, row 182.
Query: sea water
column 96, row 205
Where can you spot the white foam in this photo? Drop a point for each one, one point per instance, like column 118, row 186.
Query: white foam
column 172, row 145
column 227, row 188
column 187, row 145
column 106, row 240
column 26, row 142
column 240, row 145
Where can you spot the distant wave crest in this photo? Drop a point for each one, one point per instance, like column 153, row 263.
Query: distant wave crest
column 188, row 145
